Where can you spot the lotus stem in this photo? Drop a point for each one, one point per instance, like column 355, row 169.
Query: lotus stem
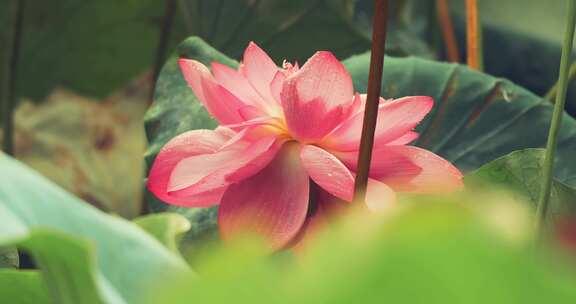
column 372, row 100
column 556, row 123
column 448, row 35
column 473, row 36
column 551, row 95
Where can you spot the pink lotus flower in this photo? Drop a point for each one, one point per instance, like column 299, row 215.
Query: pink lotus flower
column 281, row 128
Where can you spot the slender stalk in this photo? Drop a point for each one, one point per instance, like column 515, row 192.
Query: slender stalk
column 551, row 95
column 163, row 40
column 8, row 85
column 544, row 197
column 450, row 45
column 372, row 100
column 473, row 36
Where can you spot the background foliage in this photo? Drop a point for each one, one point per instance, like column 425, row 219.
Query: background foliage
column 83, row 81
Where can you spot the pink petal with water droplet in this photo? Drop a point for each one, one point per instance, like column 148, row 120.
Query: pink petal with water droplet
column 191, row 143
column 239, row 160
column 271, row 204
column 239, row 86
column 405, row 139
column 259, row 69
column 328, row 172
column 276, row 85
column 317, row 97
column 219, row 102
column 408, row 168
column 395, row 119
column 333, row 176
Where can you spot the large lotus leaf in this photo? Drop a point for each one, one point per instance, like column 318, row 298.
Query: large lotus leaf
column 90, row 47
column 521, row 173
column 528, row 60
column 528, row 53
column 51, row 224
column 476, row 117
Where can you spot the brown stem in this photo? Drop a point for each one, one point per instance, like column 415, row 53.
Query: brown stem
column 473, row 35
column 450, row 44
column 373, row 98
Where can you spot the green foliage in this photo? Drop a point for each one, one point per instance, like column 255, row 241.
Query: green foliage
column 23, row 287
column 68, row 268
column 290, row 30
column 527, row 53
column 521, row 172
column 435, row 251
column 64, row 38
column 546, row 19
column 528, row 60
column 91, row 47
column 202, row 235
column 476, row 117
column 409, row 27
column 112, row 258
column 165, row 227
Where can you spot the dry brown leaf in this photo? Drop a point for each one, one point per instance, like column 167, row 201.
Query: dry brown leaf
column 91, row 148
